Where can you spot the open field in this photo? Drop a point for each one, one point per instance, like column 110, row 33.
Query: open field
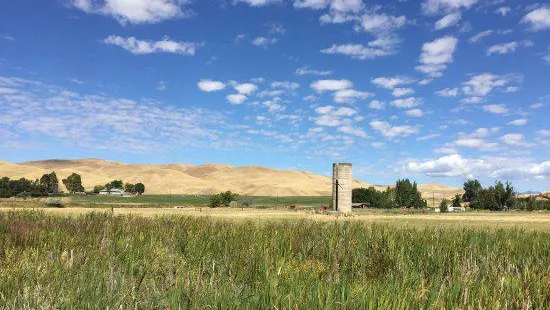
column 478, row 219
column 101, row 260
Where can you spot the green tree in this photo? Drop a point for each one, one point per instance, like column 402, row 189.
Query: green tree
column 471, row 190
column 129, row 188
column 457, row 202
column 443, row 206
column 222, row 199
column 50, row 182
column 98, row 188
column 407, row 195
column 139, row 188
column 73, row 183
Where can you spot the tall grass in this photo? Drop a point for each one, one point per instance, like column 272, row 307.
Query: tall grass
column 103, row 261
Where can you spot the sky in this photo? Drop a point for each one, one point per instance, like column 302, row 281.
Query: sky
column 438, row 91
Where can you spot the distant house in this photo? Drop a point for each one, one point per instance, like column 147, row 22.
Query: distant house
column 360, row 205
column 112, row 192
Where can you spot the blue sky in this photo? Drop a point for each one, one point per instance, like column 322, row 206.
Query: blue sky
column 434, row 90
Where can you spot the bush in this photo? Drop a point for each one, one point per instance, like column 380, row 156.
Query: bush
column 443, row 206
column 222, row 199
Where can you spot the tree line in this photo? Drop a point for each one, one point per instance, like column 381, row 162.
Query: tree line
column 404, row 194
column 498, row 197
column 48, row 185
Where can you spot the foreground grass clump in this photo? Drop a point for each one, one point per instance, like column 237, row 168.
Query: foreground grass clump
column 101, row 261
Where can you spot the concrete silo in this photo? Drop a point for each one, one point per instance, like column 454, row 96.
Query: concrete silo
column 341, row 187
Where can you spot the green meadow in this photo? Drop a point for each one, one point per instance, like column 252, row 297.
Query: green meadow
column 101, row 260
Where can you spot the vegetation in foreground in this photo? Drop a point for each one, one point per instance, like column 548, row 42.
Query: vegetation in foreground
column 100, row 261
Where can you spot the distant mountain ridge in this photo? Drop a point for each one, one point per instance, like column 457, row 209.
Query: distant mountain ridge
column 190, row 179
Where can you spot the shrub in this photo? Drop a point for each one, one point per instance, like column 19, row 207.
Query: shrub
column 443, row 206
column 53, row 203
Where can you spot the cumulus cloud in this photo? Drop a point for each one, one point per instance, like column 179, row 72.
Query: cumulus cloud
column 236, row 98
column 406, row 103
column 331, row 116
column 448, row 92
column 455, row 165
column 538, row 19
column 140, row 47
column 518, row 122
column 496, row 108
column 448, row 20
column 482, row 84
column 374, row 49
column 331, row 85
column 135, row 11
column 391, row 132
column 503, row 10
column 210, row 85
column 350, row 95
column 259, row 3
column 503, row 48
column 402, row 91
column 475, row 143
column 376, row 105
column 436, row 55
column 245, row 88
column 514, row 139
column 391, row 82
column 431, row 7
column 415, row 112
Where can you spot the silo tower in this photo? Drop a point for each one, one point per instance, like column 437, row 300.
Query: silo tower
column 341, row 187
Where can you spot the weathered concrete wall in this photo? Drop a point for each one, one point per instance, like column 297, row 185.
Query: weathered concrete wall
column 341, row 187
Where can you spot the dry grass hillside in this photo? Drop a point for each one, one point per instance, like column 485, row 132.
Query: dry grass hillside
column 188, row 179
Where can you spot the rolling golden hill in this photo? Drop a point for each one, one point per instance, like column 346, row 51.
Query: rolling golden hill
column 189, row 179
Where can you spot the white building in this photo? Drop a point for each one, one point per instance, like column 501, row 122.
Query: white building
column 112, row 192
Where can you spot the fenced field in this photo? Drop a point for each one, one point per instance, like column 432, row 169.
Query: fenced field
column 104, row 260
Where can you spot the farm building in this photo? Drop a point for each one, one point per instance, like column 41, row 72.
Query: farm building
column 112, row 192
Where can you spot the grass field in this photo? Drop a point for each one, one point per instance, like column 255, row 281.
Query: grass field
column 196, row 200
column 101, row 260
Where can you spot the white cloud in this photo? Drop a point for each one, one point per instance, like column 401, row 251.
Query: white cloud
column 415, row 113
column 515, row 139
column 398, row 92
column 140, row 47
column 483, row 84
column 455, row 165
column 496, row 108
column 448, row 21
column 285, row 84
column 53, row 116
column 210, row 85
column 391, row 82
column 378, row 48
column 381, row 24
column 473, row 99
column 391, row 132
column 376, row 105
column 518, row 122
column 350, row 95
column 245, row 88
column 307, row 71
column 406, row 103
column 259, row 3
column 444, row 6
column 264, row 41
column 436, row 55
column 480, row 35
column 538, row 19
column 236, row 98
column 331, row 116
column 503, row 48
column 476, row 143
column 448, row 92
column 331, row 85
column 503, row 11
column 135, row 11
column 428, row 137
